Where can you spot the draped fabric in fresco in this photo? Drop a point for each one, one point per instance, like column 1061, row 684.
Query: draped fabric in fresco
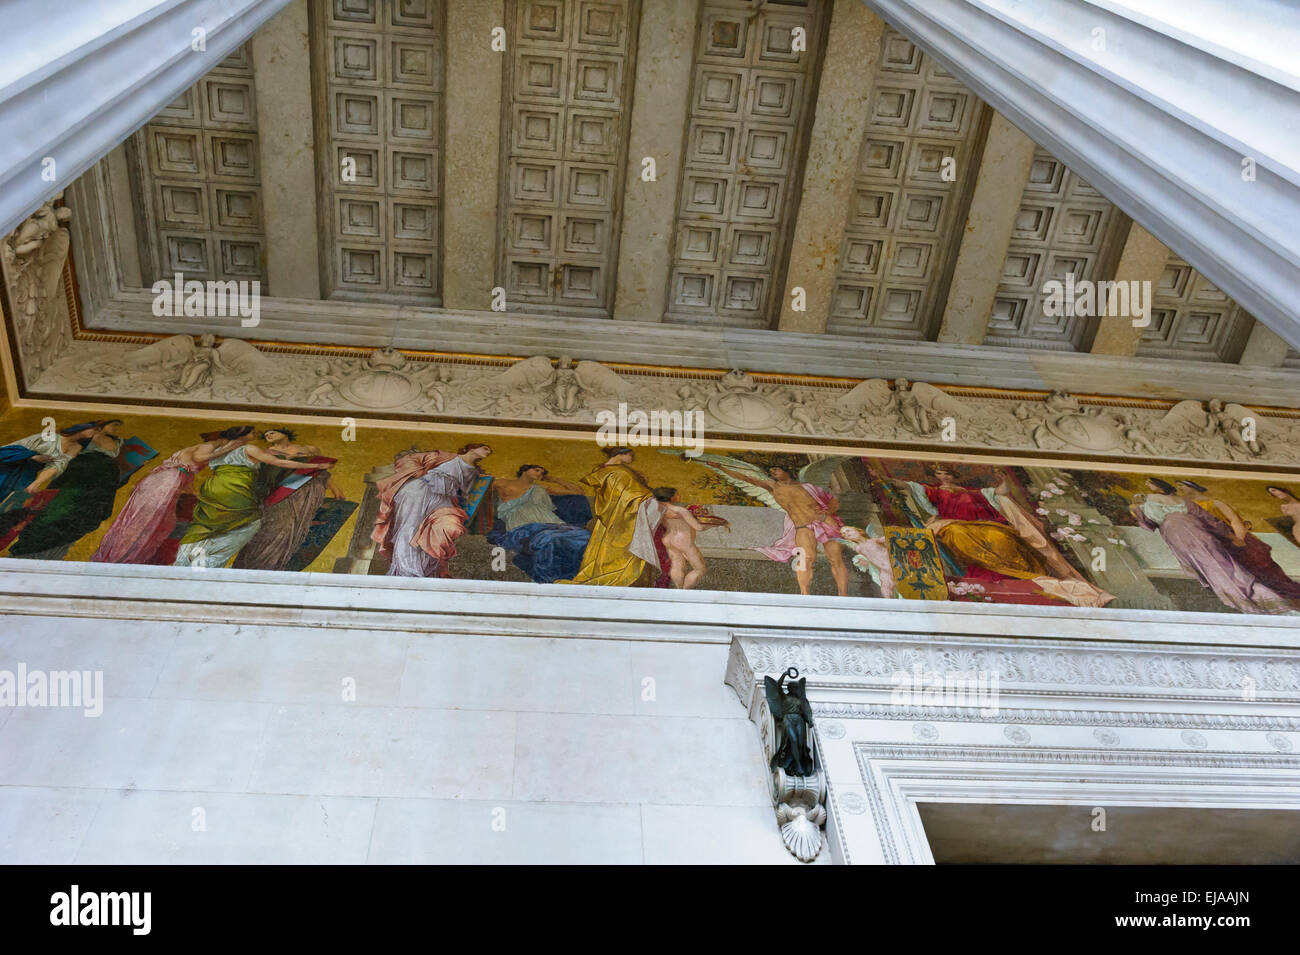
column 167, row 491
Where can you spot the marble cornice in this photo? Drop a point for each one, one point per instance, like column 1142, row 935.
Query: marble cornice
column 858, row 666
column 466, row 369
column 519, row 334
column 142, row 592
column 821, row 412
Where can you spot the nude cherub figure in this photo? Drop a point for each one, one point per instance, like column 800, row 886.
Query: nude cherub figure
column 802, row 410
column 1224, row 423
column 686, row 563
column 871, row 552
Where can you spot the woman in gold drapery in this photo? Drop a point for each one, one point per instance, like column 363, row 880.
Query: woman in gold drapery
column 622, row 534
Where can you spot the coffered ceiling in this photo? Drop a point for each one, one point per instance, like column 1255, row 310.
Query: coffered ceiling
column 913, row 179
column 711, row 225
column 197, row 184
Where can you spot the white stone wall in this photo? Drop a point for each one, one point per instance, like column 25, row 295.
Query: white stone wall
column 450, row 737
column 595, row 719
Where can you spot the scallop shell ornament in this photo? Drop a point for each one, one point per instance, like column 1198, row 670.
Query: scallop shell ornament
column 801, row 829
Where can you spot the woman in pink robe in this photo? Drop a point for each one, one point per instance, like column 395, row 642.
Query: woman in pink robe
column 420, row 517
column 149, row 516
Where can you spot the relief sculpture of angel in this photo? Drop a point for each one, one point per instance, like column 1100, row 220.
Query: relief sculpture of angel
column 918, row 408
column 183, row 366
column 1199, row 427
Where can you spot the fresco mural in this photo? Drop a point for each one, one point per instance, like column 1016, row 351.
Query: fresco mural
column 200, row 493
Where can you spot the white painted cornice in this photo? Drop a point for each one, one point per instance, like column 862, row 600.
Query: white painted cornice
column 1159, row 120
column 507, row 608
column 79, row 76
column 860, row 668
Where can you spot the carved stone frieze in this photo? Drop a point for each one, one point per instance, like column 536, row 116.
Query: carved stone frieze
column 1036, row 665
column 33, row 256
column 538, row 389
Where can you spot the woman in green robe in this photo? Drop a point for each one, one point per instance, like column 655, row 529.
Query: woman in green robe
column 228, row 512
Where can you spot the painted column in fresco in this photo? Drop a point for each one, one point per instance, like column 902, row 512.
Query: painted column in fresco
column 361, row 549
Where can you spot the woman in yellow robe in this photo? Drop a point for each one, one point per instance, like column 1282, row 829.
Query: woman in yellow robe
column 619, row 493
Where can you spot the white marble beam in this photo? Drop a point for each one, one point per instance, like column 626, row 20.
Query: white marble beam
column 1184, row 114
column 660, row 104
column 123, row 224
column 1004, row 170
column 470, row 153
column 843, row 100
column 282, row 79
column 82, row 75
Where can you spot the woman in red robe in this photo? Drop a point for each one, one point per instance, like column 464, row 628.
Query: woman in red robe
column 999, row 542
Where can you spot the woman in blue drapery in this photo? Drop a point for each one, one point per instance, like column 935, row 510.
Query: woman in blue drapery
column 547, row 534
column 87, row 487
column 30, row 463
